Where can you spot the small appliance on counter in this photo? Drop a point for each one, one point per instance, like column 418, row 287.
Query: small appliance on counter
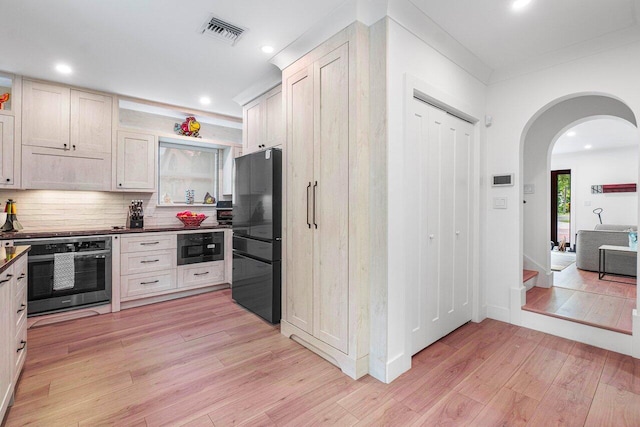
column 136, row 214
column 224, row 212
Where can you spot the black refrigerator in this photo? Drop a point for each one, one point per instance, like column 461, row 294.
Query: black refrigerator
column 257, row 233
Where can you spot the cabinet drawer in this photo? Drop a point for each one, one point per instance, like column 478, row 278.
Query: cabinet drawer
column 147, row 283
column 147, row 243
column 20, row 348
column 209, row 273
column 143, row 262
column 20, row 305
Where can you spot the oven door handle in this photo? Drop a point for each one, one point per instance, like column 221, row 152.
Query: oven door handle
column 77, row 255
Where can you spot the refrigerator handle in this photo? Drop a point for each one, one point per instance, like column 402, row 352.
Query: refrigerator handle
column 308, row 187
column 314, row 204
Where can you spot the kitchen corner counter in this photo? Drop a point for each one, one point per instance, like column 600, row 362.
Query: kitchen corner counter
column 43, row 234
column 8, row 255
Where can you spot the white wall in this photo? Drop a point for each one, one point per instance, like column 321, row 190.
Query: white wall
column 614, row 166
column 513, row 103
column 409, row 58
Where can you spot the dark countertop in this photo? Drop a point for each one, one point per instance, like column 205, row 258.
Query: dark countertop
column 43, row 234
column 10, row 254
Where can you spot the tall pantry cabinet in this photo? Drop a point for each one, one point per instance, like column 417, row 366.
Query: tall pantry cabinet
column 327, row 204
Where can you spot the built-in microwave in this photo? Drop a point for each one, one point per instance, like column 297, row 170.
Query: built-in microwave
column 200, row 247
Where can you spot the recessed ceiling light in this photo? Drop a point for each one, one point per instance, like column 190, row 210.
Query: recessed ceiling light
column 571, row 133
column 205, row 100
column 267, row 49
column 519, row 4
column 63, row 69
column 587, row 147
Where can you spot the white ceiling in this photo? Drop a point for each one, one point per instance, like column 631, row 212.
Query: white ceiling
column 600, row 134
column 151, row 49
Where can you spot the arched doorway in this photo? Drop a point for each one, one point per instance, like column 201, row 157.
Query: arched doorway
column 538, row 138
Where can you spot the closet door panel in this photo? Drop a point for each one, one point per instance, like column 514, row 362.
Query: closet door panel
column 299, row 170
column 331, row 195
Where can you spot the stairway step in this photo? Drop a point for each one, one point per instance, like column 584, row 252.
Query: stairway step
column 528, row 275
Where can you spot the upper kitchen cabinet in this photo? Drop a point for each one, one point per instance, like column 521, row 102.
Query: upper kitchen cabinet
column 136, row 159
column 263, row 124
column 10, row 130
column 66, row 119
column 66, row 140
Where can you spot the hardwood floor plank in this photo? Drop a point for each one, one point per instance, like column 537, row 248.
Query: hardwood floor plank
column 391, row 413
column 578, row 305
column 454, row 409
column 203, row 421
column 614, row 407
column 582, row 369
column 561, row 407
column 622, row 372
column 536, row 374
column 483, row 384
column 507, row 408
column 606, row 310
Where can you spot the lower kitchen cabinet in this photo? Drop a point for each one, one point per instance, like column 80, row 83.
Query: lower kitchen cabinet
column 203, row 274
column 147, row 284
column 148, row 270
column 13, row 328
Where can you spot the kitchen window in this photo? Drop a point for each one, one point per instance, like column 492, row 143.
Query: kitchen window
column 184, row 167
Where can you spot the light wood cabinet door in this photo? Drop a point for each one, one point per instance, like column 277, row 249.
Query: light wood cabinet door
column 45, row 115
column 331, row 198
column 252, row 126
column 136, row 161
column 7, row 339
column 7, row 132
column 273, row 118
column 299, row 170
column 90, row 123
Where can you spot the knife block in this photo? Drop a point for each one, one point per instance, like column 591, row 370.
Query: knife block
column 136, row 223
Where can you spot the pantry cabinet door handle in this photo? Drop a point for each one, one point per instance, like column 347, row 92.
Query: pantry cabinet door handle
column 308, row 187
column 149, row 243
column 149, row 283
column 9, row 276
column 146, row 262
column 200, row 274
column 21, row 309
column 23, row 344
column 22, row 276
column 314, row 204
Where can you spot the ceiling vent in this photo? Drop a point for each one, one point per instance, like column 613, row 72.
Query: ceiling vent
column 221, row 30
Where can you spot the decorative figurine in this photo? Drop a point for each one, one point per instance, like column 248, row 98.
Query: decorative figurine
column 190, row 127
column 4, row 98
column 209, row 199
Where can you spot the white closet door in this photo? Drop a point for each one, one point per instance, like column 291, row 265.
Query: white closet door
column 437, row 164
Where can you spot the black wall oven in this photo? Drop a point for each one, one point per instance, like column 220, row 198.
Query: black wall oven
column 68, row 273
column 200, row 247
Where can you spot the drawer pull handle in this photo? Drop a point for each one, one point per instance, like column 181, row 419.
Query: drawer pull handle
column 200, row 274
column 23, row 344
column 22, row 276
column 9, row 276
column 149, row 283
column 149, row 243
column 150, row 261
column 21, row 309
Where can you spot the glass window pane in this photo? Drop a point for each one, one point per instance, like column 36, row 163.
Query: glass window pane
column 186, row 168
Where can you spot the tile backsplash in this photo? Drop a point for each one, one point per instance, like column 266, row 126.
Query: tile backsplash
column 53, row 210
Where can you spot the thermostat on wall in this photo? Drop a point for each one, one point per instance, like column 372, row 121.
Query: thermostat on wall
column 503, row 180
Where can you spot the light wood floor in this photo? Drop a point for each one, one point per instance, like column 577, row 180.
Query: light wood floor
column 579, row 295
column 204, row 361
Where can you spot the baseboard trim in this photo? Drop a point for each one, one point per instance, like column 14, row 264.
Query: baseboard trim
column 498, row 313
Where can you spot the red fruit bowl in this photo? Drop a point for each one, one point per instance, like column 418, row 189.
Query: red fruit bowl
column 192, row 221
